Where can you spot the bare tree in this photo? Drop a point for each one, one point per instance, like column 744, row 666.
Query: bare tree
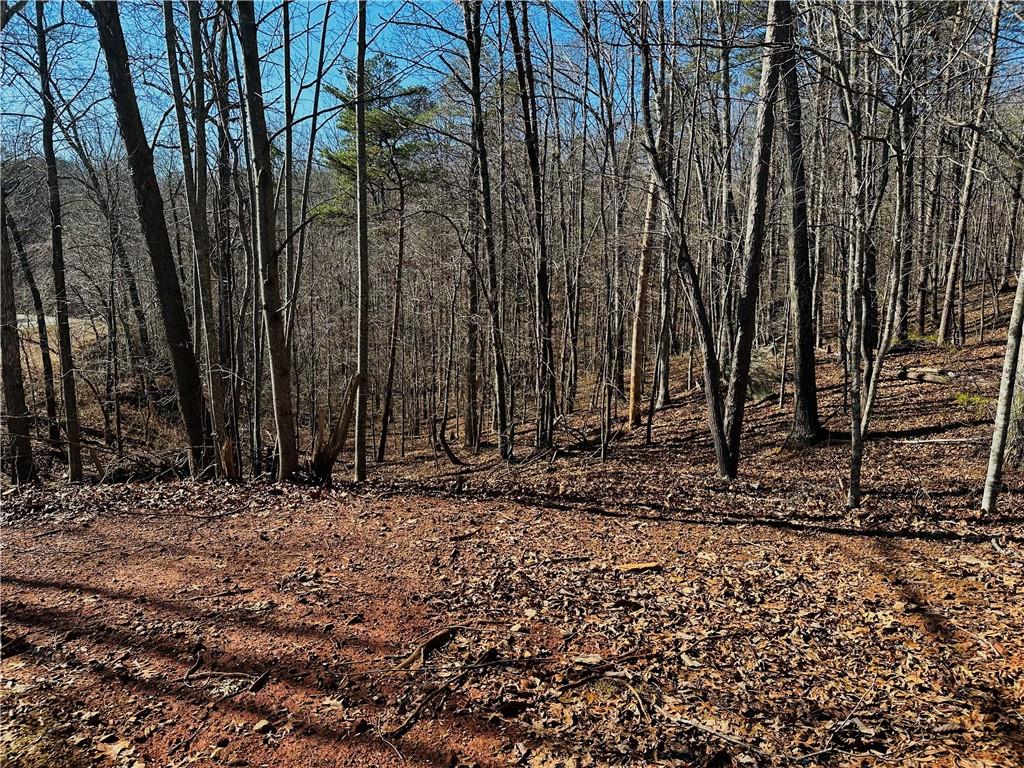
column 967, row 190
column 753, row 242
column 1007, row 409
column 67, row 363
column 18, row 453
column 49, row 391
column 545, row 388
column 806, row 428
column 154, row 228
column 267, row 248
column 474, row 46
column 363, row 310
column 196, row 189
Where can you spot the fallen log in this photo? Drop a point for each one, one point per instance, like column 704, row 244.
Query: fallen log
column 927, row 375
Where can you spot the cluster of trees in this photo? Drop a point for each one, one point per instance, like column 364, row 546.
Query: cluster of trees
column 510, row 218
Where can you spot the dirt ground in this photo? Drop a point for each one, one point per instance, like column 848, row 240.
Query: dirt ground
column 562, row 612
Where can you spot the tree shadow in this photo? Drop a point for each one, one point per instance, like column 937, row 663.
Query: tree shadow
column 186, row 608
column 428, row 744
column 181, row 649
column 993, row 699
column 650, row 512
column 838, row 435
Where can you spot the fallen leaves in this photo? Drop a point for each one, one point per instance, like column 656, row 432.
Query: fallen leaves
column 600, row 632
column 112, row 747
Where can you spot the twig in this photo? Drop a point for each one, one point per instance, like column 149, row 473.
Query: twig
column 225, row 593
column 413, row 716
column 383, row 738
column 636, row 695
column 433, row 643
column 566, row 559
column 719, row 735
column 481, row 665
column 827, row 746
column 603, row 670
column 194, row 667
column 447, row 687
column 230, row 675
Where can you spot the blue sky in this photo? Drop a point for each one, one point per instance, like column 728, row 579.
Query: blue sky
column 75, row 59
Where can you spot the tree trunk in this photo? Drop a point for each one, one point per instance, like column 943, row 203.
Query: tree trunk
column 1015, row 433
column 231, row 361
column 1011, row 252
column 18, row 453
column 746, row 303
column 307, row 172
column 806, row 429
column 195, row 182
column 266, row 248
column 639, row 341
column 729, row 222
column 967, row 191
column 472, row 420
column 1007, row 410
column 154, row 228
column 67, row 363
column 363, row 320
column 545, row 371
column 688, row 274
column 201, row 234
column 856, row 358
column 124, row 264
column 474, row 46
column 396, row 321
column 327, row 447
column 49, row 392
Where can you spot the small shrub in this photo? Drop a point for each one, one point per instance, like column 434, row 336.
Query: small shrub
column 979, row 404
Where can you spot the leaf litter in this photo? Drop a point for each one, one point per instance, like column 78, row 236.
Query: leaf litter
column 553, row 614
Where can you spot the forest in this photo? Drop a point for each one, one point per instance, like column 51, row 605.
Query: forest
column 546, row 383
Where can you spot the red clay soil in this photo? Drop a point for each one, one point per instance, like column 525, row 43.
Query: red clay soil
column 558, row 612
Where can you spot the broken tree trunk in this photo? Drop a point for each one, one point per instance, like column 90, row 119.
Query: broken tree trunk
column 327, row 448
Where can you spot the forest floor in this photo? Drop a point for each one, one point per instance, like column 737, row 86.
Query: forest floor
column 562, row 612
